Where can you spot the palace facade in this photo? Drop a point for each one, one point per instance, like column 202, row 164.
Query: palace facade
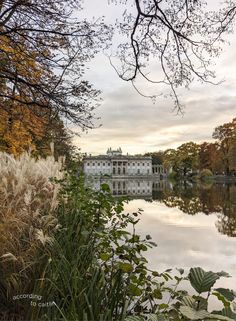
column 115, row 164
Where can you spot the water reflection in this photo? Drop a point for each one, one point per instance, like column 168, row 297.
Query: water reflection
column 211, row 198
column 204, row 198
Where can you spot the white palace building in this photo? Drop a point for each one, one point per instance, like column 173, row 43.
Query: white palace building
column 115, row 164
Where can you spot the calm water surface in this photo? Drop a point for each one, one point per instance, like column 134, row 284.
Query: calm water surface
column 192, row 224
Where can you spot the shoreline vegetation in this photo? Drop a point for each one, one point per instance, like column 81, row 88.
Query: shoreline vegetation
column 66, row 254
column 215, row 160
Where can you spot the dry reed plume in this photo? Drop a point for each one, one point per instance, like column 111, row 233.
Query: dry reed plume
column 28, row 198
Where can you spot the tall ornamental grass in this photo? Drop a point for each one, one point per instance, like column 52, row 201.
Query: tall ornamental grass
column 28, row 199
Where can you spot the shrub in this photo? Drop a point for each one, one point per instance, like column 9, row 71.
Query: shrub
column 97, row 269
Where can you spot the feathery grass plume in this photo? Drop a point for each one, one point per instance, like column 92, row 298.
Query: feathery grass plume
column 28, row 199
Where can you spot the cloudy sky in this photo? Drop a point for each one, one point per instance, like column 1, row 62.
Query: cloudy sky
column 136, row 124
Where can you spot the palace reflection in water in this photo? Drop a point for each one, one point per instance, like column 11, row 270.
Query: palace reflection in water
column 190, row 198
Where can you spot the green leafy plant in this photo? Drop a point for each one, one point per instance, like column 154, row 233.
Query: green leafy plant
column 183, row 306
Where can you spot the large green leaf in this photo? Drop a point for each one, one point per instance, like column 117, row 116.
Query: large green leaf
column 193, row 314
column 188, row 301
column 201, row 280
column 227, row 312
column 221, row 298
column 228, row 294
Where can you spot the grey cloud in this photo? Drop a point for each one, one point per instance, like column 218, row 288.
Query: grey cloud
column 137, row 124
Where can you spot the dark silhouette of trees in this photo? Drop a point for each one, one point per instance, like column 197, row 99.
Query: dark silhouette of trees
column 179, row 38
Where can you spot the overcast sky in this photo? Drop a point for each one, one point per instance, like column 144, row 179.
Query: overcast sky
column 135, row 124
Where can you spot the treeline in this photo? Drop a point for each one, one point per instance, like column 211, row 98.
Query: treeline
column 207, row 158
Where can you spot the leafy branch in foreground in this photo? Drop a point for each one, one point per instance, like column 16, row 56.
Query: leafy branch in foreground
column 43, row 49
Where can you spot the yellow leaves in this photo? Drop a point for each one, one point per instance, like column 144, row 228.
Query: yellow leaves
column 23, row 59
column 20, row 128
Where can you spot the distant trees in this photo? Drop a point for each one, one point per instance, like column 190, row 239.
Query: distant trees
column 210, row 157
column 184, row 159
column 219, row 157
column 157, row 157
column 226, row 136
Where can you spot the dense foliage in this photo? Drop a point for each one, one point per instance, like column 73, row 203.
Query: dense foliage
column 85, row 260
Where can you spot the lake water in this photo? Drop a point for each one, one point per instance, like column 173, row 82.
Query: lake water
column 192, row 224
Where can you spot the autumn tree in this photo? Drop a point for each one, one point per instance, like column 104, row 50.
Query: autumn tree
column 210, row 157
column 184, row 159
column 226, row 136
column 170, row 158
column 20, row 128
column 46, row 36
column 187, row 158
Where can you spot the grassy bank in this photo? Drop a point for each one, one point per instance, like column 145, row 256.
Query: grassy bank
column 80, row 262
